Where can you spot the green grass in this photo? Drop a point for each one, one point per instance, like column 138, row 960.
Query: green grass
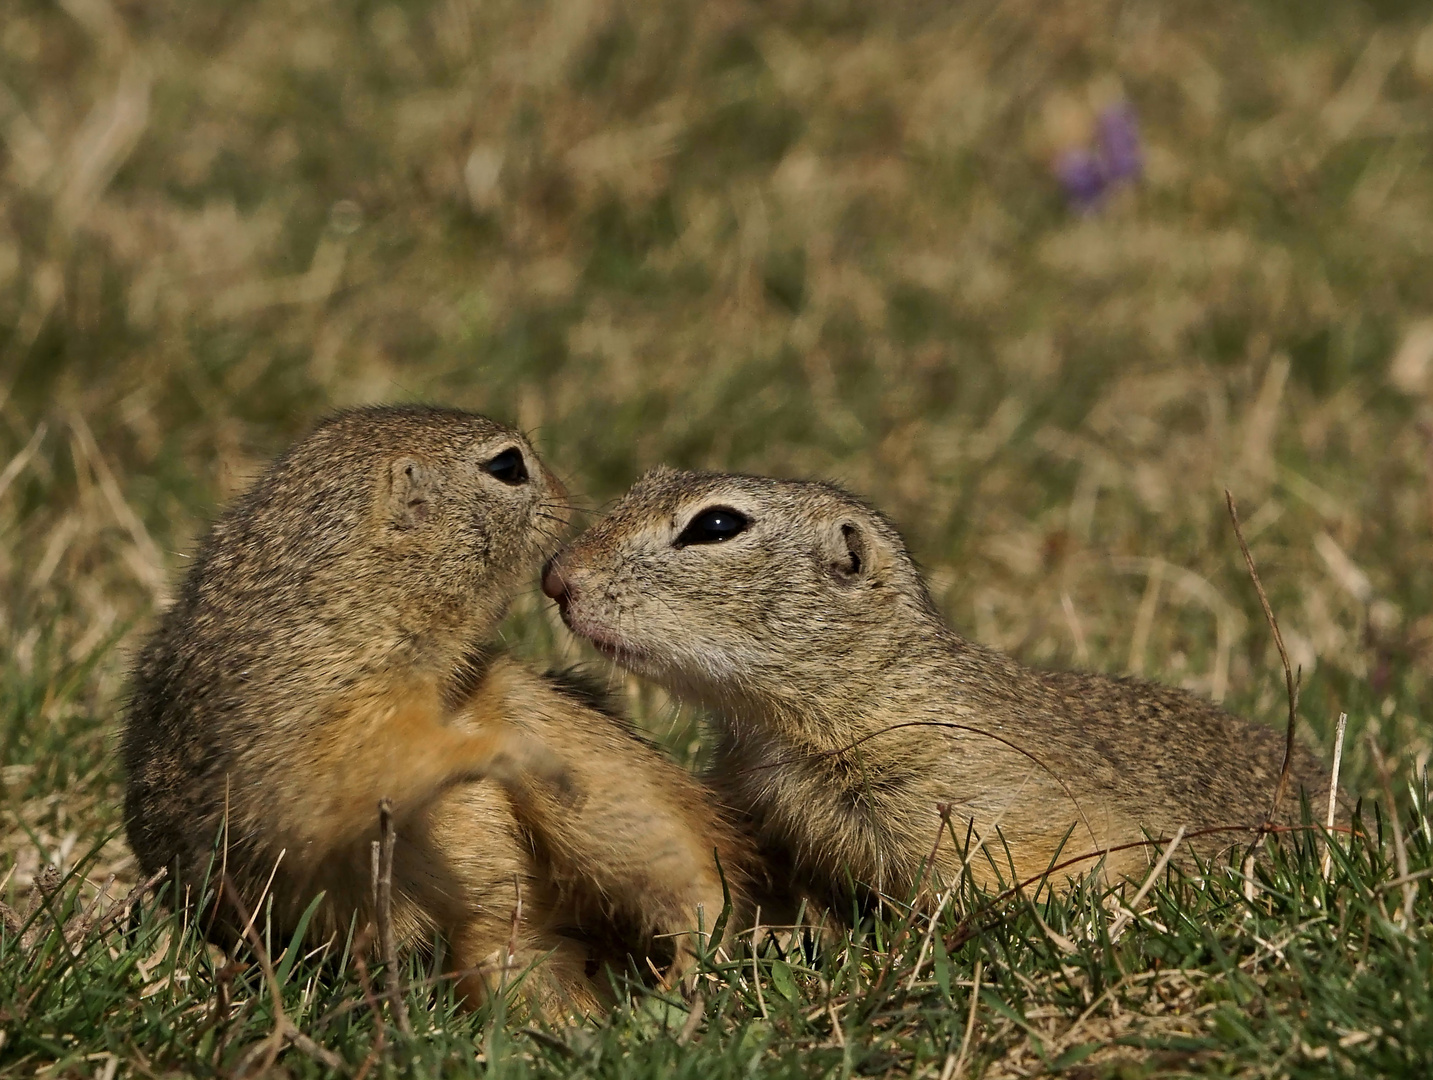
column 1303, row 977
column 811, row 238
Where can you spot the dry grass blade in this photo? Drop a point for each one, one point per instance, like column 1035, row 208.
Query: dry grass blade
column 514, row 935
column 694, row 1019
column 1057, row 939
column 1405, row 880
column 1126, row 917
column 284, row 1029
column 1333, row 788
column 955, row 1063
column 944, row 809
column 223, row 1006
column 755, row 971
column 1400, row 849
column 924, row 950
column 361, row 945
column 837, row 1031
column 1290, row 682
column 1144, row 617
column 17, row 463
column 151, row 562
column 392, row 974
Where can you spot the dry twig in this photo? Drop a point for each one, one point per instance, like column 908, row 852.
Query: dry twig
column 392, row 975
column 118, row 911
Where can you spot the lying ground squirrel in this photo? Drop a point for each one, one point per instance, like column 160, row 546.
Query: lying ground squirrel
column 849, row 712
column 330, row 647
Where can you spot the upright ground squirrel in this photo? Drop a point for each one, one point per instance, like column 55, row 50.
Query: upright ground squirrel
column 849, row 711
column 331, row 646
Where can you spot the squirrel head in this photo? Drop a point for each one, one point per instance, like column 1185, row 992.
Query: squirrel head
column 393, row 526
column 742, row 589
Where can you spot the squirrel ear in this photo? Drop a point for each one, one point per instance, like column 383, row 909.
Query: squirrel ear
column 850, row 555
column 411, row 488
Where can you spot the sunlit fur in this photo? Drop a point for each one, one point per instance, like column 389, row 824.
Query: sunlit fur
column 849, row 712
column 330, row 646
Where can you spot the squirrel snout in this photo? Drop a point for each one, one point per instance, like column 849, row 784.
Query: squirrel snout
column 556, row 583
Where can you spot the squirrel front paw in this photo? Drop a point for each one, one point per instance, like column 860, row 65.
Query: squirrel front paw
column 524, row 760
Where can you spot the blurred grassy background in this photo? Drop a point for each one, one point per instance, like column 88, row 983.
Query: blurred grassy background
column 802, row 237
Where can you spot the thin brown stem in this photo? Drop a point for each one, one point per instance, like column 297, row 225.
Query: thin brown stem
column 1290, row 682
column 392, row 974
column 361, row 945
column 1400, row 850
column 900, row 939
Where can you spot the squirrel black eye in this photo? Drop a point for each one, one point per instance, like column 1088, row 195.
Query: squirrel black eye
column 713, row 526
column 508, row 466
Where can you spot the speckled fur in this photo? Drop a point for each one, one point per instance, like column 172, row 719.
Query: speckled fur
column 848, row 711
column 330, row 646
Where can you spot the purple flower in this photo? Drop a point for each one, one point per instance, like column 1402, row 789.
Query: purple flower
column 1087, row 174
column 1119, row 142
column 1083, row 176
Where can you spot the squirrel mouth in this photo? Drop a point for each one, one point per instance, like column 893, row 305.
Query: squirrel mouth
column 605, row 643
column 621, row 653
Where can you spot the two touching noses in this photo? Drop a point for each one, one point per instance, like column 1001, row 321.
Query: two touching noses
column 557, row 582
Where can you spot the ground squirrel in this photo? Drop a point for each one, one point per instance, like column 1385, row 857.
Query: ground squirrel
column 848, row 711
column 330, row 646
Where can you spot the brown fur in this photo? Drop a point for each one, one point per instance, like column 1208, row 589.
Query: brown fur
column 329, row 648
column 849, row 711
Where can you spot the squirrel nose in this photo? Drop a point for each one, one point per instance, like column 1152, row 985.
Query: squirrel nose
column 555, row 583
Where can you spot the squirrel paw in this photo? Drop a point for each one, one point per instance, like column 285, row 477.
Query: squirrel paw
column 527, row 760
column 562, row 785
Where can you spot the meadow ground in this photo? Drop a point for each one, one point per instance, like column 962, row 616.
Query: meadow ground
column 809, row 238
